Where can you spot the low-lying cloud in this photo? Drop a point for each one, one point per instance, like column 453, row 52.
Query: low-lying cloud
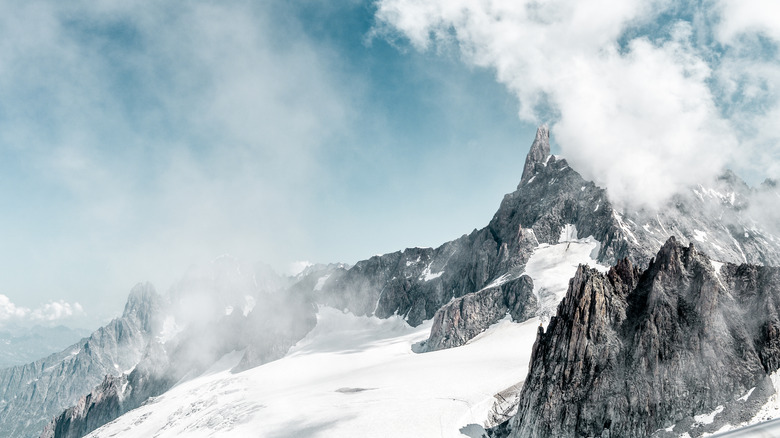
column 53, row 311
column 641, row 103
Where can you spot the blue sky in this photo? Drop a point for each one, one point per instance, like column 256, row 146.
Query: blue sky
column 139, row 138
column 138, row 143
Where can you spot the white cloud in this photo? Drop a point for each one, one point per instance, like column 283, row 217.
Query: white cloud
column 636, row 114
column 748, row 76
column 9, row 310
column 49, row 312
column 738, row 17
column 56, row 310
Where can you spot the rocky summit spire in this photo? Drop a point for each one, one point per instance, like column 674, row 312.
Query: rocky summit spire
column 539, row 152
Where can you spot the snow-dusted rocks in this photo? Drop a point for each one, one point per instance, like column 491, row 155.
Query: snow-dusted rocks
column 634, row 352
column 464, row 318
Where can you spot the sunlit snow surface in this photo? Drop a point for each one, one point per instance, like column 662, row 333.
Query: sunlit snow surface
column 358, row 377
column 551, row 267
column 350, row 377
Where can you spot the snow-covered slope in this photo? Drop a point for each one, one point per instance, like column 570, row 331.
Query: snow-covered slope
column 350, row 377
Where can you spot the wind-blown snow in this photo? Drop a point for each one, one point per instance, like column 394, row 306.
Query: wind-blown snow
column 169, row 329
column 551, row 267
column 350, row 377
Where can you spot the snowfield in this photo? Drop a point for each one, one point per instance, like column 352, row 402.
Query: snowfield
column 350, row 377
column 358, row 376
column 551, row 267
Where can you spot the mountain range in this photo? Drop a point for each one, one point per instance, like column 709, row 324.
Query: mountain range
column 674, row 316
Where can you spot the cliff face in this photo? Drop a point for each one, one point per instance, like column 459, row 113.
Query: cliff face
column 417, row 282
column 633, row 352
column 32, row 394
column 550, row 198
column 464, row 318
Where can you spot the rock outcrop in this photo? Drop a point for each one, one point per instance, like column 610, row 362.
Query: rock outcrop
column 464, row 318
column 633, row 352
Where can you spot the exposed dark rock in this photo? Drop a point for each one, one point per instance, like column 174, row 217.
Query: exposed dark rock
column 630, row 352
column 464, row 318
column 537, row 156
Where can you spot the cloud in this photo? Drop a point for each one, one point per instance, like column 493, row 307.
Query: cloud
column 634, row 98
column 56, row 310
column 9, row 310
column 747, row 78
column 49, row 312
column 143, row 137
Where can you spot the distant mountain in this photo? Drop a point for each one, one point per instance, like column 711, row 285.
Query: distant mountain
column 31, row 394
column 23, row 344
column 214, row 310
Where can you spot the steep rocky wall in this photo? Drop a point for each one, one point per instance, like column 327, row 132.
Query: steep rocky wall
column 632, row 352
column 464, row 318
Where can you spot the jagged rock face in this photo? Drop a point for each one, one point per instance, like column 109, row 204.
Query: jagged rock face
column 32, row 394
column 718, row 218
column 464, row 318
column 632, row 352
column 416, row 282
column 537, row 156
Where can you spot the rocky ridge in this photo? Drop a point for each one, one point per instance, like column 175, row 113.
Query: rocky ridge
column 32, row 394
column 552, row 198
column 276, row 321
column 633, row 352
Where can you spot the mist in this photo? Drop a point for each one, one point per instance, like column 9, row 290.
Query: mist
column 139, row 139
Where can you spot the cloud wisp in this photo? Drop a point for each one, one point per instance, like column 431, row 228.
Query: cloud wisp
column 53, row 311
column 638, row 101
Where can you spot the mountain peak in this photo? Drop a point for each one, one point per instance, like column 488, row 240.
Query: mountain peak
column 539, row 152
column 144, row 304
